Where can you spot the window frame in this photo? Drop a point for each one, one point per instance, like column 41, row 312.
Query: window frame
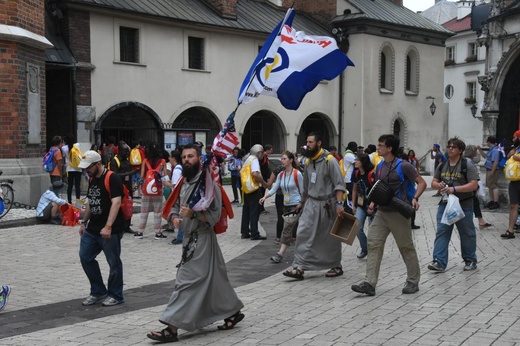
column 386, row 73
column 450, row 53
column 118, row 24
column 205, row 54
column 412, row 72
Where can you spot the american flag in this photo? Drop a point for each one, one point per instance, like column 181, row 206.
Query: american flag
column 223, row 145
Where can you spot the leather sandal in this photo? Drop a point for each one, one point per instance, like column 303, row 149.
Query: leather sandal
column 508, row 235
column 336, row 271
column 165, row 335
column 230, row 322
column 295, row 273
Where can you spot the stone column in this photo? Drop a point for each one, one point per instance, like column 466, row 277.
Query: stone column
column 489, row 119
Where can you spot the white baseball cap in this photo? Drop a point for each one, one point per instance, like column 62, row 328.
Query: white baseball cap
column 89, row 158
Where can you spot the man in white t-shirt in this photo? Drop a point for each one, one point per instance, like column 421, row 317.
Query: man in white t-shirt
column 251, row 208
column 348, row 165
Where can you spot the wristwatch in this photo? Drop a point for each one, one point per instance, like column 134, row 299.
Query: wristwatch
column 339, row 203
column 416, row 198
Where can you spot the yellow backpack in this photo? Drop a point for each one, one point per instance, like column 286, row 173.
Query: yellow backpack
column 75, row 156
column 248, row 182
column 376, row 158
column 135, row 157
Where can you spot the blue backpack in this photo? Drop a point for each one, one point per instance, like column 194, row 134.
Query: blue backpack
column 502, row 160
column 406, row 185
column 48, row 165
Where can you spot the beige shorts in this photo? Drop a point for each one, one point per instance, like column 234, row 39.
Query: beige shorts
column 492, row 180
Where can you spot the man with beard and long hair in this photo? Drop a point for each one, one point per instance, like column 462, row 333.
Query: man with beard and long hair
column 202, row 293
column 322, row 202
column 514, row 190
column 101, row 230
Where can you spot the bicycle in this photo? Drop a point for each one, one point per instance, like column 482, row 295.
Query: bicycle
column 7, row 194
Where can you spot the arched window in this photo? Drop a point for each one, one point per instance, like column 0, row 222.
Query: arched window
column 386, row 68
column 412, row 72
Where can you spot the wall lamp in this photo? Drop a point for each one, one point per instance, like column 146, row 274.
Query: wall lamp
column 474, row 110
column 433, row 107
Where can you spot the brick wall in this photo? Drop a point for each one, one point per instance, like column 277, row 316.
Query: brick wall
column 75, row 27
column 226, row 8
column 14, row 57
column 13, row 98
column 321, row 10
column 25, row 14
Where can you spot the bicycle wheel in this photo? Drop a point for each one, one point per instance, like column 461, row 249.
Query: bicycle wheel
column 8, row 193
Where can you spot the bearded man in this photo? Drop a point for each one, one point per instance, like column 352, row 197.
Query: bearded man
column 202, row 292
column 322, row 202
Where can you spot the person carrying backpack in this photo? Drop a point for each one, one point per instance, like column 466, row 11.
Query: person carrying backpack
column 57, row 159
column 363, row 179
column 290, row 180
column 153, row 169
column 493, row 171
column 460, row 179
column 387, row 220
column 73, row 170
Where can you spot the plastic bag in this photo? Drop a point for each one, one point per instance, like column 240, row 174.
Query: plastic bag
column 70, row 215
column 481, row 191
column 453, row 211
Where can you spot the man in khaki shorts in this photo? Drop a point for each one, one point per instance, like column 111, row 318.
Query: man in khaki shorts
column 492, row 171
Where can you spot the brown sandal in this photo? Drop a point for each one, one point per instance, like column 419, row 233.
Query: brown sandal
column 165, row 335
column 295, row 273
column 336, row 271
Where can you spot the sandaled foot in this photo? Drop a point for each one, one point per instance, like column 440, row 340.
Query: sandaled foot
column 295, row 273
column 165, row 335
column 485, row 225
column 337, row 271
column 508, row 235
column 230, row 322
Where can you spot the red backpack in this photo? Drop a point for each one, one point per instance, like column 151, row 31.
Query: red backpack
column 295, row 177
column 152, row 185
column 127, row 203
column 226, row 212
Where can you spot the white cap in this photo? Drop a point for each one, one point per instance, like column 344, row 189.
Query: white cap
column 89, row 158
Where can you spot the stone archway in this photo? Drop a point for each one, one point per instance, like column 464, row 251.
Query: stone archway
column 130, row 121
column 317, row 122
column 264, row 127
column 509, row 107
column 195, row 124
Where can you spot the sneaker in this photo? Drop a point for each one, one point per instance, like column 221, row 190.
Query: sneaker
column 277, row 258
column 416, row 227
column 92, row 299
column 112, row 301
column 410, row 287
column 436, row 267
column 6, row 290
column 362, row 254
column 160, row 236
column 245, row 236
column 470, row 265
column 495, row 205
column 235, row 201
column 138, row 235
column 176, row 242
column 365, row 288
column 258, row 237
column 56, row 221
column 489, row 204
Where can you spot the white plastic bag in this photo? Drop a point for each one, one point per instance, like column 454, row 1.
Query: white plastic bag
column 453, row 211
column 481, row 191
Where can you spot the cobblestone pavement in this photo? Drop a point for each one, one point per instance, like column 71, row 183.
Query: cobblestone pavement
column 41, row 264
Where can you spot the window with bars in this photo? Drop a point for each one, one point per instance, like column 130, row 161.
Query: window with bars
column 128, row 44
column 196, row 53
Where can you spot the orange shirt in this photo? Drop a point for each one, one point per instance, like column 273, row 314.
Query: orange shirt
column 55, row 158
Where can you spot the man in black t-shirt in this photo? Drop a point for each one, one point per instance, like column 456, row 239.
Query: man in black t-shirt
column 101, row 230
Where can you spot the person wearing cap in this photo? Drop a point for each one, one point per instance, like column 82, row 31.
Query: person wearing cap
column 438, row 157
column 514, row 190
column 492, row 171
column 251, row 208
column 101, row 230
column 48, row 209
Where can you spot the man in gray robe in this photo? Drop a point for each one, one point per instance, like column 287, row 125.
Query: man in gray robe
column 202, row 292
column 322, row 202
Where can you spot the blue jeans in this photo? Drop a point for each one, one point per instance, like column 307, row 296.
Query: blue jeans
column 361, row 214
column 467, row 233
column 251, row 214
column 90, row 246
column 180, row 234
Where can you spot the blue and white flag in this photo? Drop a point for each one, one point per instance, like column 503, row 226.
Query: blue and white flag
column 290, row 64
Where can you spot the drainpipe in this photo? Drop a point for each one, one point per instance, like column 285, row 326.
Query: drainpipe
column 340, row 112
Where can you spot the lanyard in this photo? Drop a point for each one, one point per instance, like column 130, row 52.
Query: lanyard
column 285, row 182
